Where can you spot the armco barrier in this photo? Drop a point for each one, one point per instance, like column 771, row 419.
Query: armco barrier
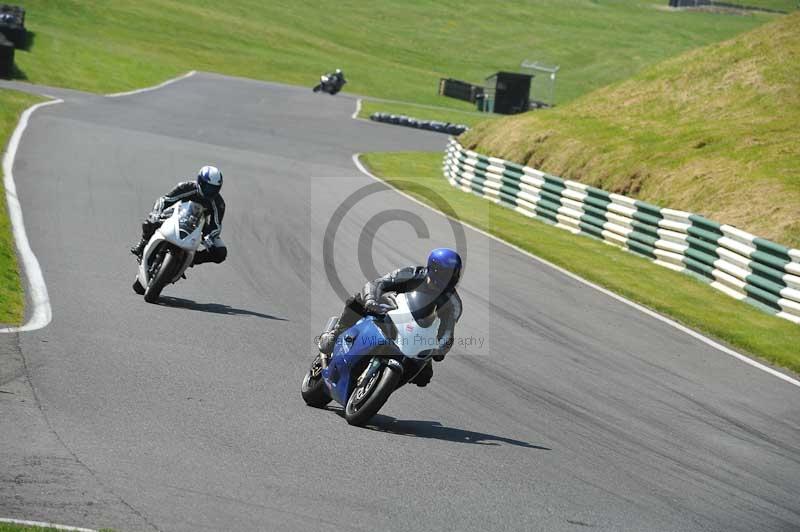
column 741, row 265
column 430, row 125
column 716, row 3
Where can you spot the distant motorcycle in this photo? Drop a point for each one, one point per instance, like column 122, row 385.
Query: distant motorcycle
column 374, row 357
column 331, row 83
column 171, row 249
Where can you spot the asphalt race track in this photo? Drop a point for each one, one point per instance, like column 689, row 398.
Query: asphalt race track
column 577, row 413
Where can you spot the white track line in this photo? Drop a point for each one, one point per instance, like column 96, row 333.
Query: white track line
column 358, row 109
column 154, row 87
column 668, row 321
column 45, row 525
column 42, row 313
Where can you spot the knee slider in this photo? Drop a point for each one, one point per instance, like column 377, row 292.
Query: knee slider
column 218, row 254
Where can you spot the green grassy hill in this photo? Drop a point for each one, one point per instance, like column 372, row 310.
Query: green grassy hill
column 387, row 48
column 714, row 131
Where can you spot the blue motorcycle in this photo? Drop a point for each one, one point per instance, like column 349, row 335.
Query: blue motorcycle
column 374, row 357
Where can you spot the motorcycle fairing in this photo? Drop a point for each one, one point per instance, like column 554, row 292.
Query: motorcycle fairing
column 412, row 342
column 365, row 336
column 183, row 228
column 417, row 335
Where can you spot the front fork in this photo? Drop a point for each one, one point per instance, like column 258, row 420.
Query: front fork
column 375, row 365
column 329, row 327
column 372, row 368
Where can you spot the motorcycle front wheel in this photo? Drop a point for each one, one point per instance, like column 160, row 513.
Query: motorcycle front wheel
column 313, row 388
column 163, row 276
column 137, row 287
column 370, row 396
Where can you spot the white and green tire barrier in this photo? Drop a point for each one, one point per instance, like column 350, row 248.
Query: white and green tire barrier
column 741, row 265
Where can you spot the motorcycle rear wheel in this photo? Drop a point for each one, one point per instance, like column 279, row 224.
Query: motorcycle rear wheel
column 313, row 388
column 367, row 399
column 164, row 275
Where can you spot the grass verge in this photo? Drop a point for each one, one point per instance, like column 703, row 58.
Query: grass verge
column 713, row 131
column 9, row 527
column 12, row 298
column 423, row 112
column 687, row 300
column 388, row 49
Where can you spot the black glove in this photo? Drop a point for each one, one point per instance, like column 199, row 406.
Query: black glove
column 445, row 343
column 374, row 308
column 387, row 303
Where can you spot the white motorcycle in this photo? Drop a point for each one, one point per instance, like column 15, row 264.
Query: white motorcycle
column 171, row 249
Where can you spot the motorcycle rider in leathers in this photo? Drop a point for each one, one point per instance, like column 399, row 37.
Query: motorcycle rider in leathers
column 205, row 191
column 438, row 280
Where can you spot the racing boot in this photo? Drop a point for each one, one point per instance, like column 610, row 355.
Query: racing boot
column 328, row 338
column 148, row 229
column 138, row 249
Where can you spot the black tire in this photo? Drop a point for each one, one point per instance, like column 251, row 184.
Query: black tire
column 317, row 88
column 313, row 388
column 161, row 278
column 137, row 287
column 359, row 410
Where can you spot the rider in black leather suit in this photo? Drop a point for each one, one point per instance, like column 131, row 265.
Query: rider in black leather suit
column 205, row 191
column 438, row 279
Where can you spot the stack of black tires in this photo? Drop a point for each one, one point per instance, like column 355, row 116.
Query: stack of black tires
column 12, row 35
column 430, row 125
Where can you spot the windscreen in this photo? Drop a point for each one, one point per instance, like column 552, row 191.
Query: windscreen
column 422, row 305
column 189, row 214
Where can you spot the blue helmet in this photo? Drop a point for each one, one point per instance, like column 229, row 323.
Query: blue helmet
column 444, row 268
column 209, row 181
